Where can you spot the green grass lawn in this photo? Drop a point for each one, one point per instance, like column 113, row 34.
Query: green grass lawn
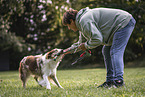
column 76, row 83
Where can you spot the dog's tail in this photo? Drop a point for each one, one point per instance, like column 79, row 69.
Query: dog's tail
column 22, row 71
column 22, row 65
column 20, row 68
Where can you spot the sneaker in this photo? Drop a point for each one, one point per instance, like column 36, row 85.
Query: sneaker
column 106, row 85
column 119, row 83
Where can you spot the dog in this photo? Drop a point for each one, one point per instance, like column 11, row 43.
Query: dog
column 41, row 66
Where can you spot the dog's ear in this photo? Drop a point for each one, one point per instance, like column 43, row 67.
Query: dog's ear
column 49, row 54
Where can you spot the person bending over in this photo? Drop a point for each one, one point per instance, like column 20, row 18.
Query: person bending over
column 109, row 27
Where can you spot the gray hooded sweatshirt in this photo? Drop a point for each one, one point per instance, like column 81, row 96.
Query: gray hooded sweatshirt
column 98, row 25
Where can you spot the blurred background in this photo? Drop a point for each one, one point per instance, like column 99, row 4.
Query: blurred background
column 31, row 27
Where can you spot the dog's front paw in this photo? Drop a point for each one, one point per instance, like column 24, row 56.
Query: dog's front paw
column 61, row 87
column 42, row 83
column 48, row 87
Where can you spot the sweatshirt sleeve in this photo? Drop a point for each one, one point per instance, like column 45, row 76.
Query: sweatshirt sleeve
column 93, row 35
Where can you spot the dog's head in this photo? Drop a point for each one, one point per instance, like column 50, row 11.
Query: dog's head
column 53, row 53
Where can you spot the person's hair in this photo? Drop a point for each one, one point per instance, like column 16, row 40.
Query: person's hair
column 68, row 15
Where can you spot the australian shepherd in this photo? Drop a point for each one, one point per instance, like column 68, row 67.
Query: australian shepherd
column 41, row 66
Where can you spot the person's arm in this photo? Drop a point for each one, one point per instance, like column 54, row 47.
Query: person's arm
column 94, row 36
column 74, row 46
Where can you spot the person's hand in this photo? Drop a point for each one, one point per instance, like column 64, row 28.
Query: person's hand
column 82, row 46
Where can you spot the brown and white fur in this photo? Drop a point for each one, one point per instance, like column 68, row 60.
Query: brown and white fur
column 42, row 66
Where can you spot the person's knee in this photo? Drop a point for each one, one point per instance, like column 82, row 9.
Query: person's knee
column 114, row 52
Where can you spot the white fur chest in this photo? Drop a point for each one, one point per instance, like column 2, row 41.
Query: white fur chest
column 49, row 65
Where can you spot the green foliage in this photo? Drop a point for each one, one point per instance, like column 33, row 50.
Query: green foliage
column 8, row 39
column 76, row 83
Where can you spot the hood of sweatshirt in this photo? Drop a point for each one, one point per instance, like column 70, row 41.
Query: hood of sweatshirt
column 79, row 15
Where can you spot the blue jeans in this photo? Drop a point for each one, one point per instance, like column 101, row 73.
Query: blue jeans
column 113, row 55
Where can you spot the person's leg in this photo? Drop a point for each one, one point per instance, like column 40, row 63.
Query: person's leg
column 108, row 63
column 120, row 41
